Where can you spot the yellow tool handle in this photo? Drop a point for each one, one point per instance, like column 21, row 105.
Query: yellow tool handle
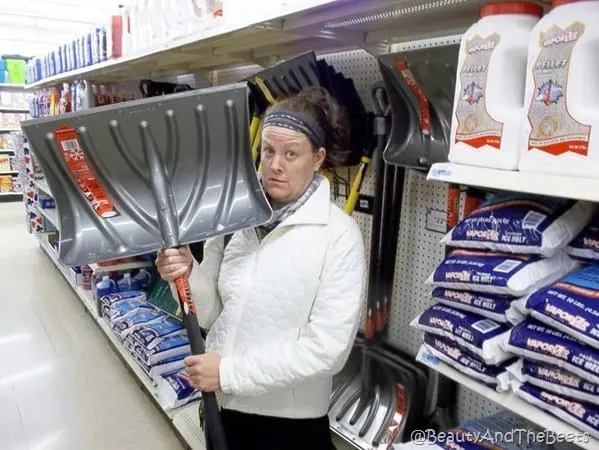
column 256, row 147
column 267, row 95
column 254, row 127
column 354, row 194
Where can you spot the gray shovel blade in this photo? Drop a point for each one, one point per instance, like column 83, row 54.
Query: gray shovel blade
column 408, row 145
column 135, row 177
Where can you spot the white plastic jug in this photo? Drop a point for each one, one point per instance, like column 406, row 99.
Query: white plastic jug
column 560, row 133
column 489, row 93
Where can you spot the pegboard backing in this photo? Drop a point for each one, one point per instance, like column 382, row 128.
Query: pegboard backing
column 418, row 249
column 418, row 252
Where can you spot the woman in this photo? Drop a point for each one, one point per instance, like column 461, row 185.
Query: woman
column 282, row 302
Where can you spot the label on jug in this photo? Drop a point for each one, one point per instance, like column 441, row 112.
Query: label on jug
column 74, row 157
column 554, row 130
column 476, row 127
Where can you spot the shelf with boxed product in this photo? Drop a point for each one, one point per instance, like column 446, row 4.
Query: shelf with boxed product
column 257, row 36
column 184, row 419
column 508, row 400
column 527, row 182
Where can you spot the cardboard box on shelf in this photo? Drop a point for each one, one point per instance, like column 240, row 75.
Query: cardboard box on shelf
column 5, row 162
column 6, row 183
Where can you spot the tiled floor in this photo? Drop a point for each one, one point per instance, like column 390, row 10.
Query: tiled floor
column 61, row 386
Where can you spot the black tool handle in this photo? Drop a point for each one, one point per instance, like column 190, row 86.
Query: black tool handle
column 215, row 432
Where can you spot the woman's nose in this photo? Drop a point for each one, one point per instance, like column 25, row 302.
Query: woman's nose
column 276, row 163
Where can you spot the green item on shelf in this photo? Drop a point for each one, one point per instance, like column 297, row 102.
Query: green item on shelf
column 16, row 71
column 160, row 295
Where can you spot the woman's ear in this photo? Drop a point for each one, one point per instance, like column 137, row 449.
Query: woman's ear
column 319, row 157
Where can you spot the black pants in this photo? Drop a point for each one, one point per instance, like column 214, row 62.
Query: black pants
column 254, row 432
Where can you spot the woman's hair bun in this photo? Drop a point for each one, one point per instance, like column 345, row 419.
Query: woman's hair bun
column 317, row 104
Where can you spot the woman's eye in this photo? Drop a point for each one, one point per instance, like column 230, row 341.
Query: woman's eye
column 291, row 154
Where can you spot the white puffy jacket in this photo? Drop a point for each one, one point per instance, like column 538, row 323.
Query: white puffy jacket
column 283, row 313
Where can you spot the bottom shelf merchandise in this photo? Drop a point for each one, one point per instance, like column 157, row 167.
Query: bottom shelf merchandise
column 512, row 402
column 158, row 376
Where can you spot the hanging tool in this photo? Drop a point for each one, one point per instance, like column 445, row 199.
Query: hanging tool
column 358, row 403
column 290, row 77
column 420, row 89
column 382, row 108
column 136, row 177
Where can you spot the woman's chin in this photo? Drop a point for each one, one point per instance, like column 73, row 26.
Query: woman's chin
column 276, row 193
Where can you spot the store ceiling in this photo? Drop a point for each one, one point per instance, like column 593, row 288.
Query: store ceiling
column 33, row 27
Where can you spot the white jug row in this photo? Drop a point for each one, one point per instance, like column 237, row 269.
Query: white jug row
column 527, row 89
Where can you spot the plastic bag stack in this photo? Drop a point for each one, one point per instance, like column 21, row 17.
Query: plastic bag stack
column 155, row 340
column 514, row 303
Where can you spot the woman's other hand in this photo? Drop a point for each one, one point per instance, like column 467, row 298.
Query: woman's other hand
column 174, row 263
column 203, row 371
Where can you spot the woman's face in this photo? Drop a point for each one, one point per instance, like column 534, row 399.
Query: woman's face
column 288, row 163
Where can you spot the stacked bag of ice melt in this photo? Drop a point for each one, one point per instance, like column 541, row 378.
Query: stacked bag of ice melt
column 508, row 248
column 558, row 346
column 157, row 342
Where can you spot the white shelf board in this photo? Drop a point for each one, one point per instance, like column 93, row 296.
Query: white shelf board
column 532, row 183
column 7, row 150
column 9, row 130
column 183, row 419
column 14, row 108
column 8, row 172
column 43, row 185
column 51, row 215
column 507, row 400
column 121, row 267
column 12, row 86
column 6, row 194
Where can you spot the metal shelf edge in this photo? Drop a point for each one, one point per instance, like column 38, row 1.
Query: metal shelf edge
column 511, row 180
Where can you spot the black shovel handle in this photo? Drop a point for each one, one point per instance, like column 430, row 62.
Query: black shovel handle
column 215, row 432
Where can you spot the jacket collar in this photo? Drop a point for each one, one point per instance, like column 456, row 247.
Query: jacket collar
column 316, row 209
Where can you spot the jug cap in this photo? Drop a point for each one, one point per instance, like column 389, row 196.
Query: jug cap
column 511, row 8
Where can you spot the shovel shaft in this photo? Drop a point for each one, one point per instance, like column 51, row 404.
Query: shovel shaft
column 215, row 433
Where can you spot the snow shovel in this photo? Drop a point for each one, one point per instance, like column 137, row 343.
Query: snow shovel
column 421, row 119
column 156, row 173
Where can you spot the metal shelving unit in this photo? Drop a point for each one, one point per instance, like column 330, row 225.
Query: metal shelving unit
column 383, row 26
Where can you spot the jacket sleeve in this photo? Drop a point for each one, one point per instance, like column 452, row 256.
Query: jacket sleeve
column 203, row 281
column 324, row 344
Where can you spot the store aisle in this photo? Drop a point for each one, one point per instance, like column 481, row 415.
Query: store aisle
column 61, row 386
